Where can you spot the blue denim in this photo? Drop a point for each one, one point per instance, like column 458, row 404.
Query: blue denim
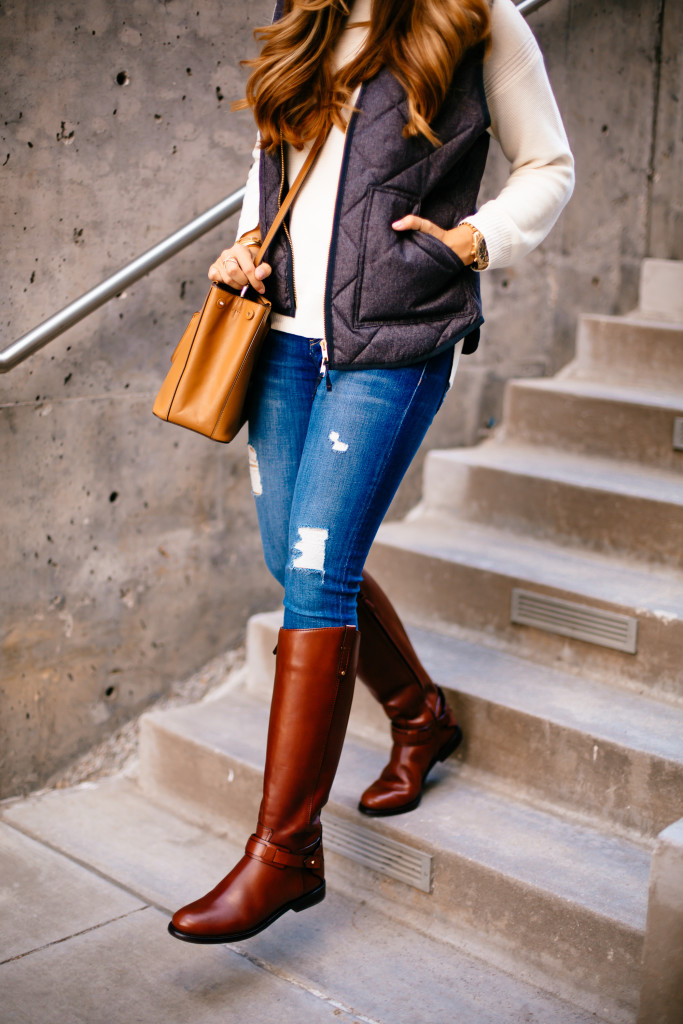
column 326, row 460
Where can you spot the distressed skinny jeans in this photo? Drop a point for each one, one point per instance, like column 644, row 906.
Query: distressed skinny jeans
column 325, row 463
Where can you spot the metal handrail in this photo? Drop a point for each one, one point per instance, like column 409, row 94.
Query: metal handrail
column 114, row 285
column 529, row 6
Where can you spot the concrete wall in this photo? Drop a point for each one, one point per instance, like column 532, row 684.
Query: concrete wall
column 129, row 548
column 130, row 552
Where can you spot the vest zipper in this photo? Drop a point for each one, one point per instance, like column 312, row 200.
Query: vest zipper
column 286, row 229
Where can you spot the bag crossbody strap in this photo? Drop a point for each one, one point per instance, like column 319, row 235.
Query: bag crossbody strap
column 291, row 196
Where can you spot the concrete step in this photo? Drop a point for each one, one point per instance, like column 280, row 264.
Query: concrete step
column 628, row 350
column 440, row 570
column 343, row 960
column 661, row 289
column 637, row 424
column 575, row 743
column 568, row 899
column 574, row 499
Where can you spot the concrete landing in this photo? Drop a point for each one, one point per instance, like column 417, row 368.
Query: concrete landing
column 89, row 876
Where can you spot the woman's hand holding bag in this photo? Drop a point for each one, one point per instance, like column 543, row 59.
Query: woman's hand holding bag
column 206, row 388
column 236, row 268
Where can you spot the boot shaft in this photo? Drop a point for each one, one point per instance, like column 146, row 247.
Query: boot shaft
column 388, row 663
column 314, row 676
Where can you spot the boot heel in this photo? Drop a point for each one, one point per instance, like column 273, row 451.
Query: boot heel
column 452, row 745
column 309, row 900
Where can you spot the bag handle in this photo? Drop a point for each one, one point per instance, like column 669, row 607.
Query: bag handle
column 291, row 195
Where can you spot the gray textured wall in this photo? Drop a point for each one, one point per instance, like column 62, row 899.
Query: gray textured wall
column 129, row 548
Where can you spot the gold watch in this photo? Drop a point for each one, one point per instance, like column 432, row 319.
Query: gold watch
column 480, row 253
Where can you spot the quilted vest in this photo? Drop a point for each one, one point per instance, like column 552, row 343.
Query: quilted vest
column 393, row 298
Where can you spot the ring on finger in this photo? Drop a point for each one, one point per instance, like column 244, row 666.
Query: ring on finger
column 230, row 259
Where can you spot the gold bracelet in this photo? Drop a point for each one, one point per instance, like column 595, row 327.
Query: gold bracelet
column 249, row 242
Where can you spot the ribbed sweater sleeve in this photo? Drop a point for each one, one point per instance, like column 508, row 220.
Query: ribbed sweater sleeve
column 527, row 124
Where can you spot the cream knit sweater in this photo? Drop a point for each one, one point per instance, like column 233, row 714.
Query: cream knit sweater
column 525, row 121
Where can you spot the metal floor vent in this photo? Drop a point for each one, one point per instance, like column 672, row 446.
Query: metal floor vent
column 387, row 856
column 579, row 621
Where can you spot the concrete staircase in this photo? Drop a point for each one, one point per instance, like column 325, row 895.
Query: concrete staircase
column 543, row 576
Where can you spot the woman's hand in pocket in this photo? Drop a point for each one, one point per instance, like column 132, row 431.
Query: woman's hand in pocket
column 458, row 239
column 235, row 267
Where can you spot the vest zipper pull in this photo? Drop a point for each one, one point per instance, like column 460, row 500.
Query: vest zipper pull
column 324, row 372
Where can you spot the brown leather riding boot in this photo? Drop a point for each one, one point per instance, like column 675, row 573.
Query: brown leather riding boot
column 283, row 867
column 424, row 729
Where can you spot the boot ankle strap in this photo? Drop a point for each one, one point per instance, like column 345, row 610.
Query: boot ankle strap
column 414, row 736
column 407, row 737
column 261, row 849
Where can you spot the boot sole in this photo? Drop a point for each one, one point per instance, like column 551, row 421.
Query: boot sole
column 303, row 903
column 445, row 752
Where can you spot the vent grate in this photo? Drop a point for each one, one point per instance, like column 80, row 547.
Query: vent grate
column 579, row 621
column 678, row 433
column 378, row 852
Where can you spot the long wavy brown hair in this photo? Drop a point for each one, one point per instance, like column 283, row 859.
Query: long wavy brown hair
column 295, row 93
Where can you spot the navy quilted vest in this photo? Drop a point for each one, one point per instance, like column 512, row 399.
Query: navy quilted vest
column 394, row 298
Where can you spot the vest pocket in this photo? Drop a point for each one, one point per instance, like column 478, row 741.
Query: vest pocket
column 405, row 276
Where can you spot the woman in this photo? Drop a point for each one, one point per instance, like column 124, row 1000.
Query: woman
column 375, row 293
